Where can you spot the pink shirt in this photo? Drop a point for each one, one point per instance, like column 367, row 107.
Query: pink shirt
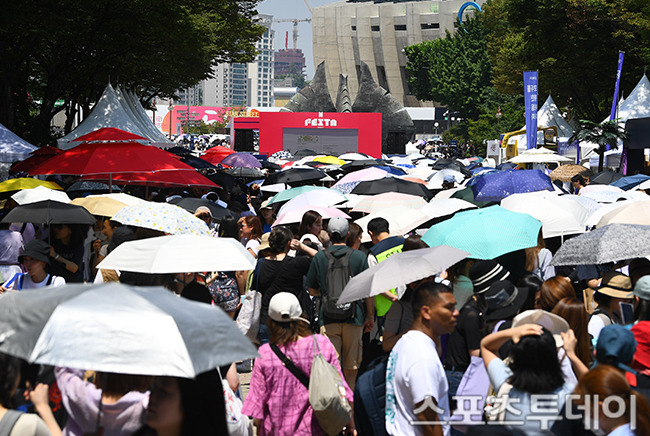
column 278, row 398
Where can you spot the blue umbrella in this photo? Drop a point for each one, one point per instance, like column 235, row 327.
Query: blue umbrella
column 495, row 186
column 486, row 233
column 629, row 182
column 507, row 166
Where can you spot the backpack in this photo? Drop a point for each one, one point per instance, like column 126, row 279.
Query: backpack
column 370, row 399
column 339, row 273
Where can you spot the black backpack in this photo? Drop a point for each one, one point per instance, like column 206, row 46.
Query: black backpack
column 370, row 399
column 338, row 275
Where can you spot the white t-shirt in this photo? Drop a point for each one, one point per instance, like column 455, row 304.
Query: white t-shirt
column 254, row 245
column 414, row 373
column 29, row 284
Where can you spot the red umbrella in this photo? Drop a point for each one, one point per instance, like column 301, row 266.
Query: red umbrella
column 110, row 158
column 216, row 154
column 159, row 178
column 48, row 150
column 110, row 134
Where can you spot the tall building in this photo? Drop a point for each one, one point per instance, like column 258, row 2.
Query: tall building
column 289, row 61
column 241, row 84
column 376, row 32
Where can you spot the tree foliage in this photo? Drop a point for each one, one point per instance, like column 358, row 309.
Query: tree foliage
column 607, row 132
column 573, row 43
column 69, row 50
column 453, row 70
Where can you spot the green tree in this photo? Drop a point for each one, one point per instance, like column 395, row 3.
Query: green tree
column 574, row 45
column 488, row 125
column 607, row 132
column 70, row 49
column 454, row 70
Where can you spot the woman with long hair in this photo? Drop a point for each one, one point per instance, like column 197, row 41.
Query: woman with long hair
column 552, row 291
column 573, row 311
column 67, row 251
column 186, row 407
column 310, row 228
column 538, row 259
column 277, row 400
column 613, row 406
column 280, row 273
column 250, row 233
column 533, row 369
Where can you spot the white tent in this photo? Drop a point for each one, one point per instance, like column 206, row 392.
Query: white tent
column 637, row 104
column 13, row 147
column 547, row 116
column 156, row 135
column 110, row 111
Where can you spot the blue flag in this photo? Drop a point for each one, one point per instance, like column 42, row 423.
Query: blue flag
column 530, row 102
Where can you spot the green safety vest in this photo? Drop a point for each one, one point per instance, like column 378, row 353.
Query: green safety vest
column 382, row 304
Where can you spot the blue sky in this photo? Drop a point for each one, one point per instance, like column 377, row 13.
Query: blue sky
column 293, row 9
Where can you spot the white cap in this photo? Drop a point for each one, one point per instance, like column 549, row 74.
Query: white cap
column 285, row 307
column 550, row 321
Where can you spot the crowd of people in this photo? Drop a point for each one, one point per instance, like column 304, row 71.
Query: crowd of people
column 511, row 345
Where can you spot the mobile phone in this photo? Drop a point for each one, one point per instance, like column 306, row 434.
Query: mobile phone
column 627, row 312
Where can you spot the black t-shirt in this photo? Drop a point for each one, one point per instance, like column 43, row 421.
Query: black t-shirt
column 280, row 276
column 466, row 336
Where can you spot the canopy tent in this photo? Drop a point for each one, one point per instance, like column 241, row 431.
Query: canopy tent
column 547, row 116
column 112, row 111
column 13, row 147
column 637, row 104
column 131, row 103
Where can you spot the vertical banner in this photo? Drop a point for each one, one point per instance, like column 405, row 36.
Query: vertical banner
column 612, row 115
column 619, row 68
column 530, row 102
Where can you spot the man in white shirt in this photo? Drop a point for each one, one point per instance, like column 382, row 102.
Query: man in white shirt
column 416, row 387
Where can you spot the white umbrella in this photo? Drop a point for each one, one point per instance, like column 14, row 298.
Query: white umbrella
column 40, row 193
column 317, row 197
column 163, row 217
column 375, row 203
column 179, row 254
column 295, row 215
column 400, row 269
column 439, row 207
column 559, row 215
column 435, row 180
column 447, row 193
column 401, row 220
column 118, row 328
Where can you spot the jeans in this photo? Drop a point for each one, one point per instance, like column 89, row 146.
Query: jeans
column 453, row 379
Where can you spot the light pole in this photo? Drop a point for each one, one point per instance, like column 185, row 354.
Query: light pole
column 436, row 124
column 170, row 108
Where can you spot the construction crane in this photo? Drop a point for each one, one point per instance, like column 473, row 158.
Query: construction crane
column 295, row 22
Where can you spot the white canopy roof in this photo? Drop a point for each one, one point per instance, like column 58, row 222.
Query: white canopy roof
column 112, row 111
column 637, row 104
column 13, row 147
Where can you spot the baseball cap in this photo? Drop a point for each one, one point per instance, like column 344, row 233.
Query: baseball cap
column 285, row 307
column 642, row 288
column 616, row 346
column 338, row 225
column 449, row 179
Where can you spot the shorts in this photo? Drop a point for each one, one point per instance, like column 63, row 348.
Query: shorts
column 346, row 339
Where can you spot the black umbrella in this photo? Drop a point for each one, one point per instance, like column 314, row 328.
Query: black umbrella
column 295, row 175
column 191, row 204
column 87, row 186
column 304, row 153
column 226, row 181
column 605, row 178
column 392, row 184
column 468, row 195
column 452, row 164
column 361, row 164
column 197, row 162
column 180, row 151
column 49, row 212
column 271, row 166
column 245, row 172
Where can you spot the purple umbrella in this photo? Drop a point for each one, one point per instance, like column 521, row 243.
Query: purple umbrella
column 495, row 186
column 241, row 160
